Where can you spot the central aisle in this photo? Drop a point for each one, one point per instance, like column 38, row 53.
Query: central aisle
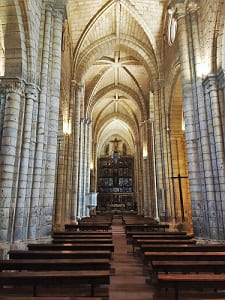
column 128, row 283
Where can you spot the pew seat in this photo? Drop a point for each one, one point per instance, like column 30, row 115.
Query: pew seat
column 189, row 282
column 78, row 247
column 57, row 254
column 53, row 279
column 55, row 264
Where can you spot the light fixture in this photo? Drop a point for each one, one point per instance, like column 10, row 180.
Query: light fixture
column 67, row 127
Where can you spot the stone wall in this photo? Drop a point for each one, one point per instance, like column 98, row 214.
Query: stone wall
column 30, row 108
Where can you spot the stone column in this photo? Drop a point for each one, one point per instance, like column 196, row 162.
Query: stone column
column 87, row 182
column 14, row 90
column 47, row 209
column 190, row 115
column 151, row 167
column 22, row 208
column 216, row 210
column 81, row 158
column 161, row 188
column 84, row 168
column 76, row 134
column 38, row 164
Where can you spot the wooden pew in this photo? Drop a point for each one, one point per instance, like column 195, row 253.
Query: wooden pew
column 78, row 247
column 54, row 264
column 88, row 226
column 189, row 282
column 168, row 238
column 160, row 237
column 57, row 254
column 196, row 266
column 82, row 241
column 131, row 233
column 81, row 236
column 71, row 233
column 188, row 256
column 143, row 244
column 146, row 227
column 181, row 247
column 48, row 298
column 51, row 278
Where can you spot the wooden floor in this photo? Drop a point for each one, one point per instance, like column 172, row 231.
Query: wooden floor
column 129, row 281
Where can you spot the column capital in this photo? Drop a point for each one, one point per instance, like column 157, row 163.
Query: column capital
column 14, row 85
column 192, row 6
column 78, row 86
column 180, row 7
column 210, row 82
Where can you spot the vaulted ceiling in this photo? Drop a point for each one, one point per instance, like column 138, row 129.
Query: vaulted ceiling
column 115, row 55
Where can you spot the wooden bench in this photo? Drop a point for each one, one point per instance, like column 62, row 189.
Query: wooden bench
column 78, row 247
column 87, row 226
column 54, row 264
column 189, row 282
column 146, row 227
column 181, row 247
column 175, row 266
column 188, row 256
column 51, row 278
column 82, row 241
column 143, row 244
column 81, row 236
column 49, row 298
column 131, row 233
column 57, row 254
column 161, row 237
column 75, row 233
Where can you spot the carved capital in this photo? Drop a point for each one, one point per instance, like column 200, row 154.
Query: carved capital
column 179, row 5
column 210, row 82
column 192, row 6
column 32, row 90
column 14, row 85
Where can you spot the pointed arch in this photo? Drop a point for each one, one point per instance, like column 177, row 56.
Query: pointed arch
column 122, row 88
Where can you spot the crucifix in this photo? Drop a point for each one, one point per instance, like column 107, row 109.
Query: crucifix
column 179, row 177
column 116, row 142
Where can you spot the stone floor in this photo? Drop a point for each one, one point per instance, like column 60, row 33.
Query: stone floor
column 129, row 281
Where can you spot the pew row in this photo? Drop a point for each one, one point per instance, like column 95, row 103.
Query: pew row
column 188, row 282
column 54, row 278
column 57, row 254
column 54, row 264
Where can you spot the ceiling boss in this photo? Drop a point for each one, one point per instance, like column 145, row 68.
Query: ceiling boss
column 172, row 26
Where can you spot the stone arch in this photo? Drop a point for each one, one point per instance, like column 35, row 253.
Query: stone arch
column 133, row 12
column 145, row 56
column 101, row 137
column 179, row 162
column 131, row 123
column 14, row 42
column 123, row 88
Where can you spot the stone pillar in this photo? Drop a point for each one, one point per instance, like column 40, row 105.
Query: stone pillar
column 14, row 89
column 161, row 192
column 190, row 117
column 216, row 208
column 49, row 185
column 76, row 136
column 87, row 182
column 38, row 163
column 80, row 181
column 84, row 167
column 22, row 208
column 151, row 166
